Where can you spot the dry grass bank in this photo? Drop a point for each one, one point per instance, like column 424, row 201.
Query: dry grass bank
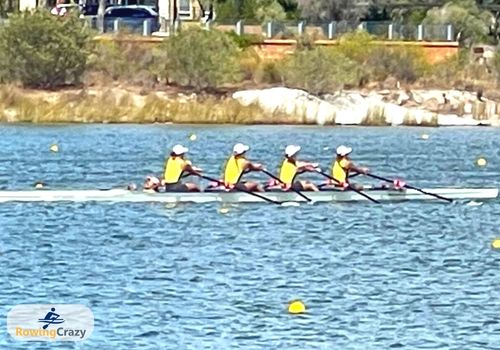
column 117, row 105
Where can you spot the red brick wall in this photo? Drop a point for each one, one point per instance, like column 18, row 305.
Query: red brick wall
column 278, row 48
column 434, row 51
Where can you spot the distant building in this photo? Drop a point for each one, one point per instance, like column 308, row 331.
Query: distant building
column 181, row 9
column 169, row 10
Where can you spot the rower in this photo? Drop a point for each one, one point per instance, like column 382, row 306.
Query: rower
column 291, row 167
column 342, row 168
column 151, row 184
column 175, row 168
column 236, row 166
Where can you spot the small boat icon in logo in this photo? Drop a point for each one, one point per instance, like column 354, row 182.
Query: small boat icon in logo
column 51, row 318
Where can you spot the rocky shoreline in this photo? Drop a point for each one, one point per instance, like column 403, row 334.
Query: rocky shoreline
column 277, row 105
column 384, row 107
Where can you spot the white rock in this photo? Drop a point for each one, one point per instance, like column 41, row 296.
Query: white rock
column 247, row 97
column 352, row 108
column 10, row 115
column 326, row 113
column 350, row 116
column 402, row 98
column 453, row 120
column 468, row 108
column 394, row 114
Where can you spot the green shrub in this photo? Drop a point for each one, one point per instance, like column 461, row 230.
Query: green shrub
column 267, row 72
column 42, row 50
column 122, row 61
column 199, row 58
column 406, row 64
column 246, row 40
column 356, row 46
column 319, row 70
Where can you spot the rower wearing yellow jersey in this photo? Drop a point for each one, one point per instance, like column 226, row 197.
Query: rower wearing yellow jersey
column 343, row 166
column 291, row 167
column 175, row 167
column 236, row 166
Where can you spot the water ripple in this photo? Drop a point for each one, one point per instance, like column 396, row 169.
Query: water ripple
column 402, row 276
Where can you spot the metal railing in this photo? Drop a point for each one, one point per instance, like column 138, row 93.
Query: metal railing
column 333, row 29
column 289, row 30
column 118, row 25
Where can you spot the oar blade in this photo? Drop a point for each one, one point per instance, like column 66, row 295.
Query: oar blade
column 429, row 193
column 411, row 187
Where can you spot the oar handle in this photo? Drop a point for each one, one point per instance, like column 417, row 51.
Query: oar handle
column 328, row 176
column 379, row 177
column 265, row 171
column 210, row 179
column 271, row 175
column 410, row 187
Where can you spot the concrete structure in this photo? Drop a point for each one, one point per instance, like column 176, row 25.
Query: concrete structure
column 172, row 12
column 27, row 4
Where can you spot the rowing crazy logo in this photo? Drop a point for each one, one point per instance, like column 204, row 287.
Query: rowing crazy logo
column 63, row 322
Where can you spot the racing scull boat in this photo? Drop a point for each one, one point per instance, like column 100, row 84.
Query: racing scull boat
column 123, row 195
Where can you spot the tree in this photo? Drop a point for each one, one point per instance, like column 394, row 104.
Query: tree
column 470, row 22
column 338, row 10
column 41, row 50
column 259, row 10
column 199, row 58
column 269, row 10
column 7, row 6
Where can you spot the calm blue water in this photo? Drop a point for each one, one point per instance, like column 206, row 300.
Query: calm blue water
column 410, row 276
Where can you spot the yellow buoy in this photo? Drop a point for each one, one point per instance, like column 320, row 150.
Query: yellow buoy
column 54, row 148
column 224, row 210
column 481, row 162
column 425, row 136
column 496, row 243
column 296, row 307
column 192, row 137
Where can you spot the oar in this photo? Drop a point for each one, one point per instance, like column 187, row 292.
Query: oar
column 410, row 187
column 350, row 187
column 246, row 191
column 291, row 188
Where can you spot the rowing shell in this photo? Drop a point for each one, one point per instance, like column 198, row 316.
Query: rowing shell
column 122, row 195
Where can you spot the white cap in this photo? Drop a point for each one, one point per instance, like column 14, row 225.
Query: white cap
column 291, row 150
column 343, row 150
column 240, row 148
column 153, row 179
column 179, row 150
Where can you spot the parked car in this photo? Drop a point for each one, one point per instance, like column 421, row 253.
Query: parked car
column 131, row 17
